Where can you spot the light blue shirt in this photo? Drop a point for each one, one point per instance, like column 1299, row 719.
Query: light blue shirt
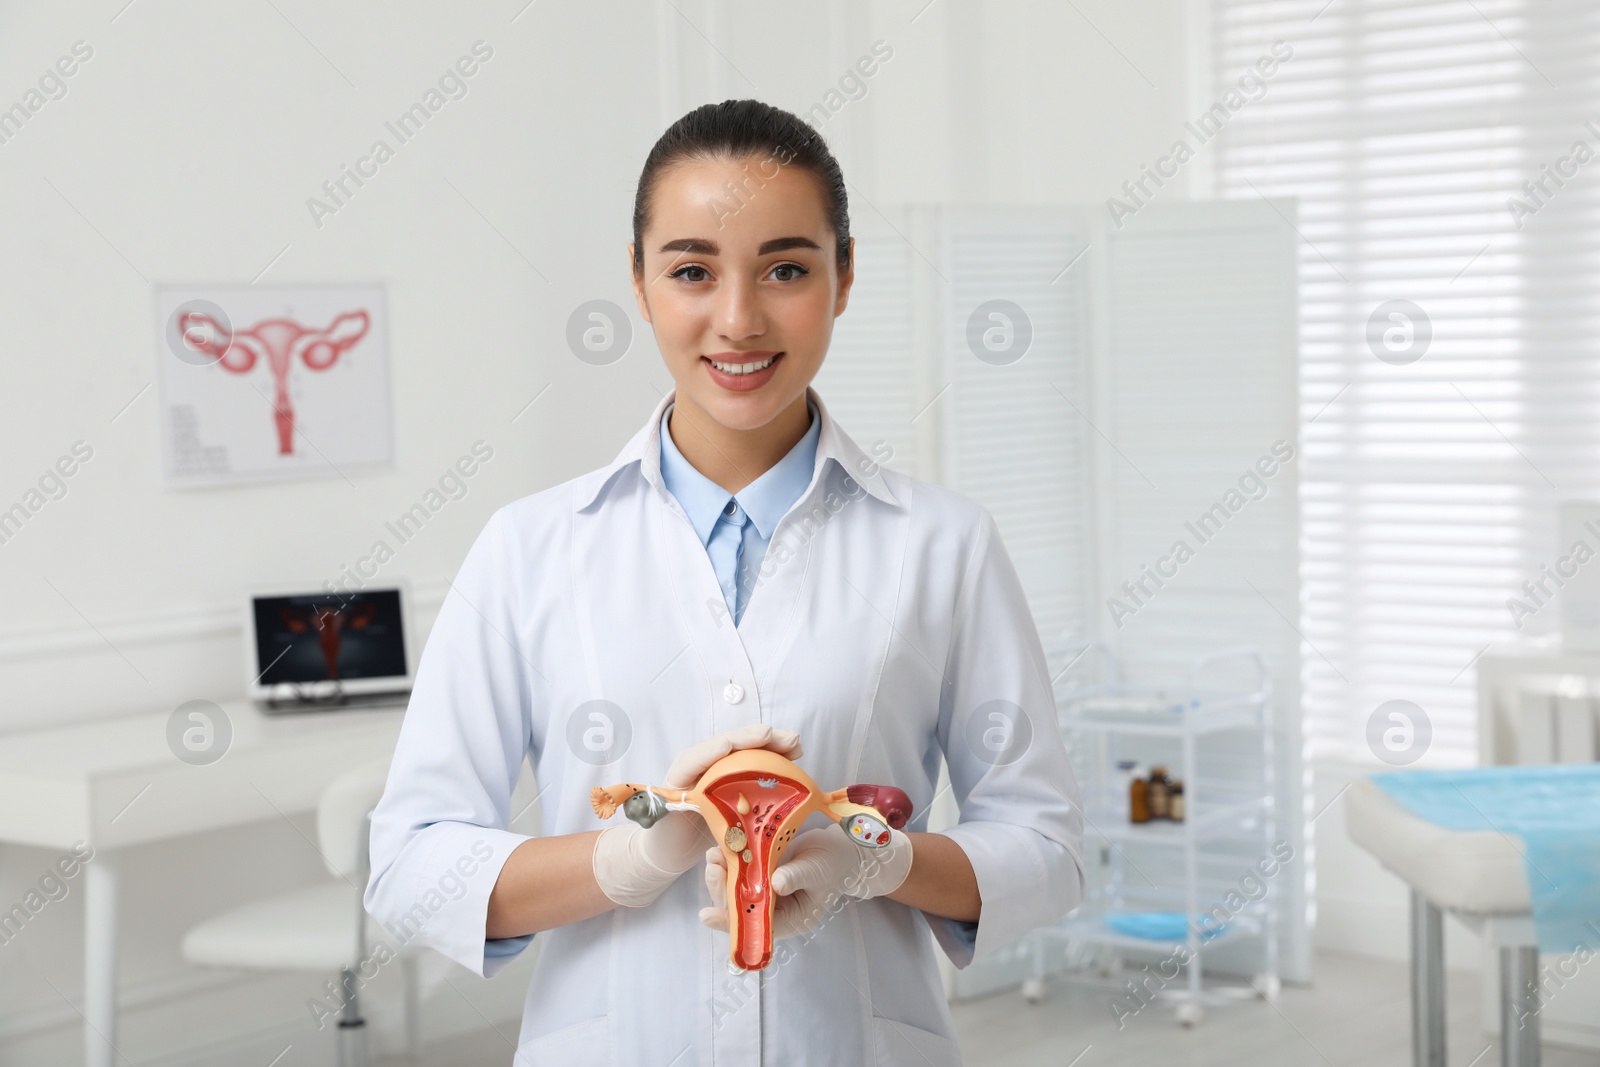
column 736, row 528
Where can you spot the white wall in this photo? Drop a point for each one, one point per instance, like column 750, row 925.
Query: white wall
column 185, row 150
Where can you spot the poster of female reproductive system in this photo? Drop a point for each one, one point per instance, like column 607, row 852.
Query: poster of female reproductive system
column 271, row 382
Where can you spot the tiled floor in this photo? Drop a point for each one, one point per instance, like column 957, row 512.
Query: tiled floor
column 1356, row 1015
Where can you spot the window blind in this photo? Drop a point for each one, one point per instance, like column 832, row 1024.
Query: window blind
column 1443, row 155
column 1001, row 431
column 1015, row 438
column 868, row 379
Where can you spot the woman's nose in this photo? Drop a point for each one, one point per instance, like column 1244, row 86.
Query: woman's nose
column 739, row 315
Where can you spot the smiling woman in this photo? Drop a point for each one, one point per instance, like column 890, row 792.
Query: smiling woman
column 578, row 633
column 743, row 305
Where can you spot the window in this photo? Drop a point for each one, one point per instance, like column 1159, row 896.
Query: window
column 1444, row 158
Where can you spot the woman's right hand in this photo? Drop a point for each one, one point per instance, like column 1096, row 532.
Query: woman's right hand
column 633, row 865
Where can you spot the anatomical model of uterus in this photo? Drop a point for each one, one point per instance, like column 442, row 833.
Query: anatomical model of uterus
column 753, row 802
column 280, row 342
column 329, row 623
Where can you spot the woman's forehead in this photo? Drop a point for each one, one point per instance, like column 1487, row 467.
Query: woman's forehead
column 750, row 207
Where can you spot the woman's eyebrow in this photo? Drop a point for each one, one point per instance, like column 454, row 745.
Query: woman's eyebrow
column 703, row 246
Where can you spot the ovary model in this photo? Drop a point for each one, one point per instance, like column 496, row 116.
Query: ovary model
column 754, row 801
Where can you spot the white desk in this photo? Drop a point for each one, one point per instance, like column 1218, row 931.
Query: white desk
column 116, row 783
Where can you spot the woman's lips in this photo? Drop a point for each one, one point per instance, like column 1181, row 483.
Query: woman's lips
column 742, row 383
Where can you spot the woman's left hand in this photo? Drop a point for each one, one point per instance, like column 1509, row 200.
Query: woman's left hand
column 819, row 868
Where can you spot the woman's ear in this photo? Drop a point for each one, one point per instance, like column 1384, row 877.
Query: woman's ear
column 638, row 285
column 846, row 280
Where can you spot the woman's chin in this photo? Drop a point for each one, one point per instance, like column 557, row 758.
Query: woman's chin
column 743, row 410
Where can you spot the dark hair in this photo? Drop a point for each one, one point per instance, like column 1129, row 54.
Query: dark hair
column 734, row 129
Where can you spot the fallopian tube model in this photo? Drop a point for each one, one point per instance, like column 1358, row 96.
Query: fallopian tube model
column 279, row 341
column 753, row 802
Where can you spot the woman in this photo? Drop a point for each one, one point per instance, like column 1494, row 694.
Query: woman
column 742, row 575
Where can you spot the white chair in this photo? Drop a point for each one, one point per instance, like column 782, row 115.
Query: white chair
column 324, row 927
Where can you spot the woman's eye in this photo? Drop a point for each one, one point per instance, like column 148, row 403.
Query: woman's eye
column 783, row 272
column 795, row 269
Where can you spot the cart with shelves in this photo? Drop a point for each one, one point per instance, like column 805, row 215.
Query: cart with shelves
column 1193, row 863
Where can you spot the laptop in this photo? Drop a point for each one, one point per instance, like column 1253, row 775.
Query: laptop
column 324, row 651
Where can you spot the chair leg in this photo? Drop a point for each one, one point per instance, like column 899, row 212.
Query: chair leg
column 352, row 1027
column 1427, row 983
column 1519, row 1006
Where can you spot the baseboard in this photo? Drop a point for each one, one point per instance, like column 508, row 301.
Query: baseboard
column 1570, row 988
column 1378, row 931
column 1364, row 928
column 25, row 1020
column 200, row 1017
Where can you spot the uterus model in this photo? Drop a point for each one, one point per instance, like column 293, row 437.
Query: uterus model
column 329, row 624
column 754, row 801
column 279, row 342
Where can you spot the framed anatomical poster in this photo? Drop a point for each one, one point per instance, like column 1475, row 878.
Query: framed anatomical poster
column 272, row 382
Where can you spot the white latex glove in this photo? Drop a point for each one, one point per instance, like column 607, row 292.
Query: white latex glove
column 633, row 865
column 819, row 868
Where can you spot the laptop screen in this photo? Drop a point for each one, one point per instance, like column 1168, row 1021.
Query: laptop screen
column 322, row 638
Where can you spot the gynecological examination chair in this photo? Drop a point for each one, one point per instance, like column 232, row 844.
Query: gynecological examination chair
column 1476, row 875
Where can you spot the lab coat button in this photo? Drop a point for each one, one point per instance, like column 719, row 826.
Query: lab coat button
column 734, row 693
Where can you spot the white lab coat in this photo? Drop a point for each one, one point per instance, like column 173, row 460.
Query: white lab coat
column 889, row 629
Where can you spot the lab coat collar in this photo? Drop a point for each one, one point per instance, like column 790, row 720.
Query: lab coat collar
column 644, row 449
column 765, row 500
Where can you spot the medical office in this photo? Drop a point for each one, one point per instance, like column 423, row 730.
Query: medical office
column 1261, row 328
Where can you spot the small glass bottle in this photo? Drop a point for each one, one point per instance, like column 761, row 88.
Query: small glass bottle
column 1138, row 799
column 1122, row 787
column 1159, row 795
column 1175, row 800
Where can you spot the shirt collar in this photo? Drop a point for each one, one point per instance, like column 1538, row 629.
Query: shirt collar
column 644, row 451
column 765, row 500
